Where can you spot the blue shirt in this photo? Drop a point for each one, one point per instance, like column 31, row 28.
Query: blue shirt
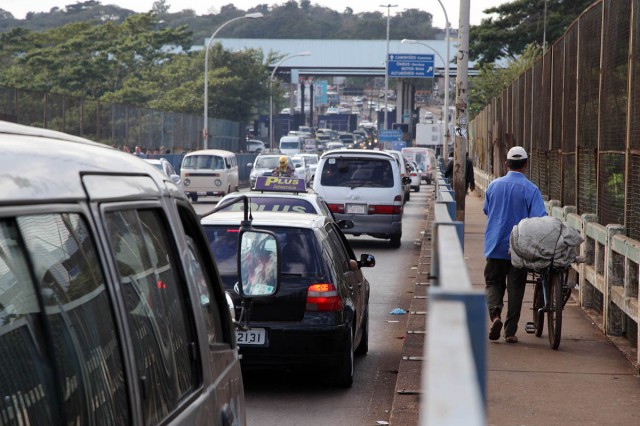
column 508, row 200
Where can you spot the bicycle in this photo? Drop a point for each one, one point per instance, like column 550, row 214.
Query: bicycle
column 550, row 294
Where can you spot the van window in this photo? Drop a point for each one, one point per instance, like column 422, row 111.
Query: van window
column 357, row 172
column 203, row 162
column 290, row 145
column 157, row 309
column 82, row 350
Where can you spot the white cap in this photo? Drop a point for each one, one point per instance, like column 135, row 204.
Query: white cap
column 517, row 153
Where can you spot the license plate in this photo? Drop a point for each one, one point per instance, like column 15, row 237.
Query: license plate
column 356, row 208
column 252, row 337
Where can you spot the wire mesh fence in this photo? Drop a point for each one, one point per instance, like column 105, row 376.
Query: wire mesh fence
column 577, row 111
column 117, row 125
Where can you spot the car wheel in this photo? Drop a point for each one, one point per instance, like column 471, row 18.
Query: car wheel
column 363, row 346
column 395, row 240
column 344, row 373
column 194, row 197
column 428, row 181
column 407, row 196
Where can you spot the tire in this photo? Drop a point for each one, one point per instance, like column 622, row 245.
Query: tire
column 408, row 196
column 418, row 188
column 343, row 375
column 395, row 240
column 554, row 314
column 194, row 198
column 538, row 304
column 363, row 346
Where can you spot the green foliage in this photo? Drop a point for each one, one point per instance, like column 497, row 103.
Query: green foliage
column 520, row 23
column 493, row 80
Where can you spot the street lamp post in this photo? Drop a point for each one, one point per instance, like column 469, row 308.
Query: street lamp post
column 205, row 128
column 446, row 85
column 273, row 73
column 445, row 116
column 386, row 68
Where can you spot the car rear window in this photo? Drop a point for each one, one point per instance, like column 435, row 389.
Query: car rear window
column 267, row 162
column 274, row 204
column 357, row 172
column 298, row 250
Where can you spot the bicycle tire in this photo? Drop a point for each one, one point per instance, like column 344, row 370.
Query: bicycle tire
column 554, row 314
column 538, row 305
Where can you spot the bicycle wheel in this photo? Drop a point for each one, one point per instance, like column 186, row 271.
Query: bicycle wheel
column 554, row 314
column 538, row 304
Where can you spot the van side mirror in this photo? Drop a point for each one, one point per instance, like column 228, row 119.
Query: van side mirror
column 367, row 261
column 258, row 263
column 346, row 224
column 406, row 180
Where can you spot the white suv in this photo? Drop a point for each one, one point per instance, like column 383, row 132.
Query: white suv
column 365, row 187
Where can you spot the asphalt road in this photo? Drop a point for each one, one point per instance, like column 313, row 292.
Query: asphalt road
column 301, row 397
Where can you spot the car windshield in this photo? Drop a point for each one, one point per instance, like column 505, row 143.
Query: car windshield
column 297, row 162
column 197, row 162
column 311, row 160
column 267, row 162
column 299, row 252
column 357, row 172
column 289, row 145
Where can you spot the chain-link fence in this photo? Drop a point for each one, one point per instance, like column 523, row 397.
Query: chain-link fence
column 577, row 112
column 116, row 124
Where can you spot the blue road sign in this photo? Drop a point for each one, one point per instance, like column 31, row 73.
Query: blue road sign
column 410, row 65
column 389, row 135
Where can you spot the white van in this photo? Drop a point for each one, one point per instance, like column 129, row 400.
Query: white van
column 425, row 158
column 291, row 145
column 211, row 172
column 112, row 308
column 365, row 187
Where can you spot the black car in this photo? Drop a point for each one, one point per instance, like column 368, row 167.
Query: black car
column 320, row 314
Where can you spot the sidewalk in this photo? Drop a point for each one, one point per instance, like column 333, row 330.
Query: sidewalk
column 587, row 381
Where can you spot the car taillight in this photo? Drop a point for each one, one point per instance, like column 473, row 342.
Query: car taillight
column 414, row 174
column 385, row 209
column 323, row 297
column 336, row 208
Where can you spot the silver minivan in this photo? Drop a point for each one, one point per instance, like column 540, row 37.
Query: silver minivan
column 365, row 187
column 112, row 310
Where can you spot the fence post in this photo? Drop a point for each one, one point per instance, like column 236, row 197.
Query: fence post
column 587, row 250
column 613, row 275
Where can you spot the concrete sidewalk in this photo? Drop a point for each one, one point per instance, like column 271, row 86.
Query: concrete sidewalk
column 587, row 381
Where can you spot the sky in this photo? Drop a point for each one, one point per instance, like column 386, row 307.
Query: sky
column 19, row 8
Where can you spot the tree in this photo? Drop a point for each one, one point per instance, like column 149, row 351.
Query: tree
column 519, row 24
column 491, row 80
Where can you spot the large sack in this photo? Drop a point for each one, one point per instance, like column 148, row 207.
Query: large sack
column 537, row 242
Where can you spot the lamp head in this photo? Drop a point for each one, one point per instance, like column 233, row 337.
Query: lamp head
column 254, row 15
column 408, row 41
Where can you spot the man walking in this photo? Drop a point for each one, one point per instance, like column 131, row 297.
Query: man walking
column 508, row 200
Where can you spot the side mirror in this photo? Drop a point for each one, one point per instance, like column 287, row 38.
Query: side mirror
column 258, row 263
column 175, row 178
column 249, row 165
column 367, row 261
column 406, row 180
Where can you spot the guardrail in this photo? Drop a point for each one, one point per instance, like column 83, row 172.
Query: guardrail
column 455, row 349
column 608, row 280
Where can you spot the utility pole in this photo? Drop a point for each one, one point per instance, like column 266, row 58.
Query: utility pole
column 462, row 111
column 386, row 68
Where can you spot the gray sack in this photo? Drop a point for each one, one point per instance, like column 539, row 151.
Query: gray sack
column 536, row 242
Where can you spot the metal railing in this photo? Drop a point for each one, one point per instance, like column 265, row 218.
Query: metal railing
column 454, row 378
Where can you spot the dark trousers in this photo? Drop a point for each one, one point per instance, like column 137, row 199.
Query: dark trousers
column 500, row 275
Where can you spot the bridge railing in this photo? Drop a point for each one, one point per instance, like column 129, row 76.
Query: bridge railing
column 454, row 379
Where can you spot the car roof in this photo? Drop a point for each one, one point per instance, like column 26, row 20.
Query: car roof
column 220, row 152
column 46, row 165
column 290, row 220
